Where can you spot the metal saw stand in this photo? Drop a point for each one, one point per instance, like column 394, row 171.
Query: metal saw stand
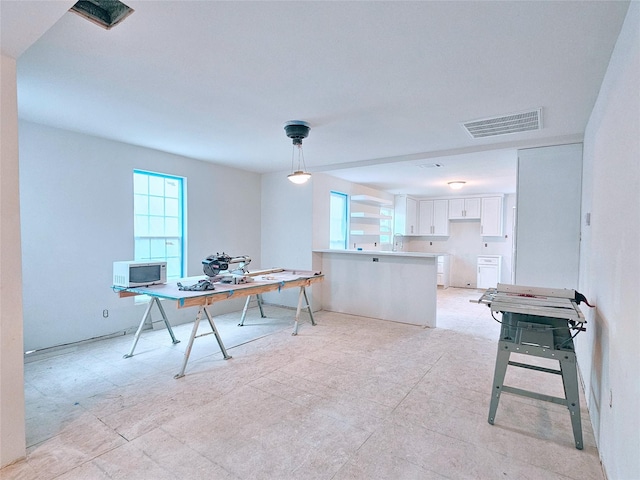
column 521, row 343
column 530, row 326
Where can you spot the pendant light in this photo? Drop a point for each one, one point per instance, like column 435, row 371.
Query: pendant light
column 297, row 130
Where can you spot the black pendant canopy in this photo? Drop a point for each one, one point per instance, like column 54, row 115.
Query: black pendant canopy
column 297, row 130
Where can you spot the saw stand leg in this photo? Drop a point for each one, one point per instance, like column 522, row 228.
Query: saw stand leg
column 194, row 335
column 567, row 370
column 303, row 293
column 246, row 305
column 146, row 315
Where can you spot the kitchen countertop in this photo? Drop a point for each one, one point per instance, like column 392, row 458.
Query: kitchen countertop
column 383, row 253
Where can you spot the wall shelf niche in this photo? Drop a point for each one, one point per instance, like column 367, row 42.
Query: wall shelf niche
column 371, row 200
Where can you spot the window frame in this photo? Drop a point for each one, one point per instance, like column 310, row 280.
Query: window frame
column 181, row 217
column 344, row 220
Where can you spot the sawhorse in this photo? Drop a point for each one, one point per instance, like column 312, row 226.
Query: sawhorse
column 301, row 295
column 147, row 313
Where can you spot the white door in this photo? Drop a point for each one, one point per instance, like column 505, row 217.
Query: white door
column 548, row 221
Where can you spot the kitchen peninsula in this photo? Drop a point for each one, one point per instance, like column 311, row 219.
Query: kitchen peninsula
column 396, row 286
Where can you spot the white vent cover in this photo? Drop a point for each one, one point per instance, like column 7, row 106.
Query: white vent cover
column 513, row 123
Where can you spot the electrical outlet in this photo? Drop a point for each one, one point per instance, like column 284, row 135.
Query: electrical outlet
column 105, row 313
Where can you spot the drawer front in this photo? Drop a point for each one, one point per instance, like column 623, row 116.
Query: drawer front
column 487, row 261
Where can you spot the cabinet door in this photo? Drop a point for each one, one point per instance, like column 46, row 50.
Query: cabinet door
column 425, row 225
column 487, row 276
column 406, row 215
column 412, row 216
column 456, row 208
column 440, row 217
column 464, row 208
column 472, row 207
column 491, row 219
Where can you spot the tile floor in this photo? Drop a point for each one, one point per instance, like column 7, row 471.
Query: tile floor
column 351, row 398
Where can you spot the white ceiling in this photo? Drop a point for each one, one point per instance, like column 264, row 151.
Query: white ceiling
column 384, row 85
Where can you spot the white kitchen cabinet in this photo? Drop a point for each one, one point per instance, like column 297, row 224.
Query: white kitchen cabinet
column 433, row 217
column 405, row 215
column 464, row 208
column 491, row 218
column 489, row 270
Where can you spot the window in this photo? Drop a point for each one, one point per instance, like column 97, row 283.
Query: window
column 338, row 221
column 158, row 208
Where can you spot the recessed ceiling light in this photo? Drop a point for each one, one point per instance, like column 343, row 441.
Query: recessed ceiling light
column 104, row 13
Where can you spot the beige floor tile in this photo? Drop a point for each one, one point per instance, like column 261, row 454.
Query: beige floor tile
column 351, row 398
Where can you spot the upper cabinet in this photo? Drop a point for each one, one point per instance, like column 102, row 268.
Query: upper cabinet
column 405, row 215
column 433, row 217
column 491, row 219
column 464, row 208
column 430, row 216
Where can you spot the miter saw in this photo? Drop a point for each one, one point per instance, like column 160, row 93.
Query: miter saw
column 217, row 268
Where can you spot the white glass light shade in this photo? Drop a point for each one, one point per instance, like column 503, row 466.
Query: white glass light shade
column 457, row 185
column 299, row 177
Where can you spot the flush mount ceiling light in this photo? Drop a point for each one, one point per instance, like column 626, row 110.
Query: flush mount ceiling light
column 297, row 130
column 457, row 185
column 104, row 13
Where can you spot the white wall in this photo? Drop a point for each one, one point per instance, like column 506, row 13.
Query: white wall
column 12, row 413
column 77, row 218
column 608, row 353
column 287, row 228
column 465, row 243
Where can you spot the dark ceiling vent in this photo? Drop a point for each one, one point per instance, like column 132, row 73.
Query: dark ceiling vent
column 105, row 13
column 513, row 123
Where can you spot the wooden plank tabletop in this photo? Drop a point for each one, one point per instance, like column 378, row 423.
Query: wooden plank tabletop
column 275, row 279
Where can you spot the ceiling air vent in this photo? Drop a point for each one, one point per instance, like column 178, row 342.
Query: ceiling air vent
column 105, row 13
column 513, row 123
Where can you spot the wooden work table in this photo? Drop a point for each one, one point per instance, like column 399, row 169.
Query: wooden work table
column 269, row 281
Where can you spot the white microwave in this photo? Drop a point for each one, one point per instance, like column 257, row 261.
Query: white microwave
column 139, row 273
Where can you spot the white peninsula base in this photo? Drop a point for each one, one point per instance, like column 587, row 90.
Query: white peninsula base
column 396, row 286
